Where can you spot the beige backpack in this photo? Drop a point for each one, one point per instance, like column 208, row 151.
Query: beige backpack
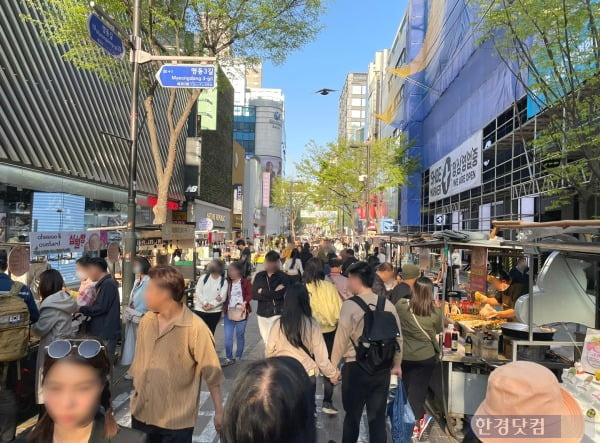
column 14, row 325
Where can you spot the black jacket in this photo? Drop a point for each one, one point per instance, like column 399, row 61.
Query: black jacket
column 125, row 435
column 105, row 312
column 270, row 301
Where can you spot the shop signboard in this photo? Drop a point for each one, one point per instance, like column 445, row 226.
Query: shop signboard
column 318, row 214
column 172, row 231
column 205, row 224
column 458, row 171
column 478, row 275
column 44, row 243
column 388, row 225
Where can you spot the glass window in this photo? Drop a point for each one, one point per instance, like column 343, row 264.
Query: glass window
column 358, row 102
column 356, row 113
column 358, row 89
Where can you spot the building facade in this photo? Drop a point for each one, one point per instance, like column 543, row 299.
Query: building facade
column 469, row 124
column 352, row 107
column 375, row 85
column 57, row 133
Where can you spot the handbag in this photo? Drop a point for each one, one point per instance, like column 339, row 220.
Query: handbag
column 435, row 343
column 237, row 313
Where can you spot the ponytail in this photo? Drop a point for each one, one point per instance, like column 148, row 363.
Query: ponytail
column 110, row 425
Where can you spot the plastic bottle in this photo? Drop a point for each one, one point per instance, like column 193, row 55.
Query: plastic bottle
column 448, row 338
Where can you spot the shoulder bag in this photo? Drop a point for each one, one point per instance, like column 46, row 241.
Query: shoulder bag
column 434, row 342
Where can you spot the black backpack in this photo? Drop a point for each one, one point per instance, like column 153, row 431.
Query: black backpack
column 378, row 343
column 222, row 279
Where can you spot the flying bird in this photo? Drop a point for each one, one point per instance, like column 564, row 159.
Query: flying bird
column 325, row 91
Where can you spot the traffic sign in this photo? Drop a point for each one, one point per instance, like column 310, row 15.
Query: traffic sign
column 186, row 76
column 105, row 37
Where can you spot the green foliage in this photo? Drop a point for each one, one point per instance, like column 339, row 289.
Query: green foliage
column 254, row 29
column 337, row 171
column 553, row 48
column 291, row 196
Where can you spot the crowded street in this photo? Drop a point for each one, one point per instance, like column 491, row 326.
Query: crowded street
column 299, row 221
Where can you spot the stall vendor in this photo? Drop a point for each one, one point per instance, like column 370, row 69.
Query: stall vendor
column 507, row 293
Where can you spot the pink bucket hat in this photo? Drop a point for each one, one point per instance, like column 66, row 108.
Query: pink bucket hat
column 524, row 392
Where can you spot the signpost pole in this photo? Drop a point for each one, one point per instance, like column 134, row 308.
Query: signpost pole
column 130, row 239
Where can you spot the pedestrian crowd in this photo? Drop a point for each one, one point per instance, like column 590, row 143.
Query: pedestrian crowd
column 319, row 313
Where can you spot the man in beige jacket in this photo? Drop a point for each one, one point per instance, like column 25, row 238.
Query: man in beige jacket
column 359, row 388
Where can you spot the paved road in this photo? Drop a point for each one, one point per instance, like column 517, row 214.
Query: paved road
column 329, row 428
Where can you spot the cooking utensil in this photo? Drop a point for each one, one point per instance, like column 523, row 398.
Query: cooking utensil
column 521, row 331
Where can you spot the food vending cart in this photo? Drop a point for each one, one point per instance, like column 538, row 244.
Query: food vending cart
column 548, row 332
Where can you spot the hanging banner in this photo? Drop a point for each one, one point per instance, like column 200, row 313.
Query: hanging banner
column 44, row 243
column 266, row 189
column 458, row 171
column 207, row 109
column 238, row 200
column 478, row 275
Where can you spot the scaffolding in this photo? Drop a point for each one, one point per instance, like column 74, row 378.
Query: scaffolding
column 514, row 178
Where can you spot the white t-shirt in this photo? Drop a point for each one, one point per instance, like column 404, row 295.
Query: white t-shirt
column 381, row 257
column 237, row 297
column 211, row 292
column 293, row 270
column 456, row 259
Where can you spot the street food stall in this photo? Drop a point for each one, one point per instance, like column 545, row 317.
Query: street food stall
column 552, row 335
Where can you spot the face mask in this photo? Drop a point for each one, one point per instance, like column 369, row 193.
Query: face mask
column 81, row 275
column 137, row 270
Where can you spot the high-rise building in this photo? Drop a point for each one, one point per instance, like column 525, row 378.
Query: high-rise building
column 375, row 78
column 352, row 107
column 254, row 76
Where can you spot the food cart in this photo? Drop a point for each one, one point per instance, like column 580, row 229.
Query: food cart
column 460, row 381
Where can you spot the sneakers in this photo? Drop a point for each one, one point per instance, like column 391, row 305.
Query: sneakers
column 415, row 435
column 227, row 362
column 329, row 409
column 423, row 425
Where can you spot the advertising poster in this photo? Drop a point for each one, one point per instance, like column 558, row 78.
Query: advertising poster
column 207, row 109
column 271, row 168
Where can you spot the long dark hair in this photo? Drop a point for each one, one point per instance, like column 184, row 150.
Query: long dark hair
column 271, row 401
column 51, row 282
column 295, row 255
column 314, row 272
column 421, row 301
column 296, row 312
column 44, row 429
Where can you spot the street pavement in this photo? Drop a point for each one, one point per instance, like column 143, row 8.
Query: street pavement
column 329, row 428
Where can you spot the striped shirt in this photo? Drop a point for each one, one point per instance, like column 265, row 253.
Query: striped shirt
column 168, row 368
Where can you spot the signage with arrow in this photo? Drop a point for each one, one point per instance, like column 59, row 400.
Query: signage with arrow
column 105, row 37
column 186, row 76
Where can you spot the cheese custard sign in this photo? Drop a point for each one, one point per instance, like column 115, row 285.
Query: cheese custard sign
column 458, row 171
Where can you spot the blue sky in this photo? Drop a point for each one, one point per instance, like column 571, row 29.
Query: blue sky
column 353, row 31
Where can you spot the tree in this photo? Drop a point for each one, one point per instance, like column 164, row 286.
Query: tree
column 552, row 47
column 290, row 196
column 250, row 29
column 337, row 171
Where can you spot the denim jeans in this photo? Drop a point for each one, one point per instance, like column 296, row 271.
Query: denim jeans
column 239, row 328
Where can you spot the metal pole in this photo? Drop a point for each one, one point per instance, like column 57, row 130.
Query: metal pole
column 130, row 240
column 368, row 187
column 530, row 300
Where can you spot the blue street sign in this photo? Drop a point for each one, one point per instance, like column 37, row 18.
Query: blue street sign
column 105, row 37
column 186, row 76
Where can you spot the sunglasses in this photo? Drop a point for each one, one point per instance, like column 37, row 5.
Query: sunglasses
column 86, row 348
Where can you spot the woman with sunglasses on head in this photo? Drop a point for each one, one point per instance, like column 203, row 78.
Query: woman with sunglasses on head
column 76, row 390
column 56, row 316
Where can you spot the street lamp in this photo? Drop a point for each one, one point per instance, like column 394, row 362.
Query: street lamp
column 367, row 179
